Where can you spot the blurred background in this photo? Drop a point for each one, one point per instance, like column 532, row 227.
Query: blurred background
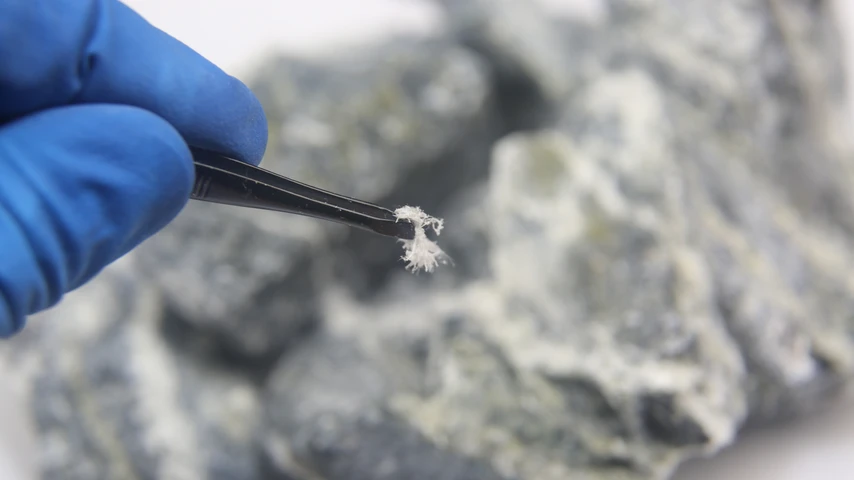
column 648, row 207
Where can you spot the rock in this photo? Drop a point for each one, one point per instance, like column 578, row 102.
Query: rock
column 362, row 123
column 738, row 153
column 405, row 123
column 655, row 283
column 324, row 420
column 109, row 398
column 465, row 238
column 531, row 68
column 611, row 303
column 242, row 277
column 476, row 377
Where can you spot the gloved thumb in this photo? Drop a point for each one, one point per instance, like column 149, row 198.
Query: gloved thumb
column 80, row 186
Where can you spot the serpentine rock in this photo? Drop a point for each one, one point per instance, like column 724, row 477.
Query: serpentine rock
column 532, row 67
column 110, row 398
column 658, row 280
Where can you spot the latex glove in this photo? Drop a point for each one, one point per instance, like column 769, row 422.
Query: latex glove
column 96, row 110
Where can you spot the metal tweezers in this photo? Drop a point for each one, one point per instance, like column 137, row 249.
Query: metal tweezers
column 224, row 180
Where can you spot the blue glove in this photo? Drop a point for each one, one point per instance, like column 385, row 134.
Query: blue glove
column 97, row 109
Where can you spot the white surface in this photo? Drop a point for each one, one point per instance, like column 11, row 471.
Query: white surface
column 235, row 33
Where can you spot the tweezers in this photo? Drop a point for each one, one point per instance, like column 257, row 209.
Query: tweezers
column 224, row 180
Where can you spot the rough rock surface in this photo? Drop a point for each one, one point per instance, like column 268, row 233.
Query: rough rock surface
column 532, row 67
column 656, row 278
column 112, row 399
column 655, row 258
column 327, row 420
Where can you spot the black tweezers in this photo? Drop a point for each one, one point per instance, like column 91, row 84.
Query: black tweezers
column 220, row 179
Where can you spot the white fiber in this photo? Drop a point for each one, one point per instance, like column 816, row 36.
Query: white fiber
column 421, row 252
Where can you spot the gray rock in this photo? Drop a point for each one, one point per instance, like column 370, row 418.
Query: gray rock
column 471, row 374
column 406, row 123
column 242, row 277
column 360, row 123
column 532, row 69
column 465, row 237
column 657, row 279
column 110, row 399
column 740, row 149
column 324, row 419
column 604, row 300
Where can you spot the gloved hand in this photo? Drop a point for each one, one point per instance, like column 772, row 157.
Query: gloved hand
column 97, row 108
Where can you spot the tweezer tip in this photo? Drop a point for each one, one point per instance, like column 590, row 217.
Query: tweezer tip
column 399, row 228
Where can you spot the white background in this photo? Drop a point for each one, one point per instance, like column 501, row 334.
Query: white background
column 235, row 34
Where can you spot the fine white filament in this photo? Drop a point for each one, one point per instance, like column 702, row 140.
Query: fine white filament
column 421, row 252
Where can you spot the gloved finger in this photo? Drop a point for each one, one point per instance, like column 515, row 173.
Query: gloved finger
column 110, row 177
column 56, row 52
